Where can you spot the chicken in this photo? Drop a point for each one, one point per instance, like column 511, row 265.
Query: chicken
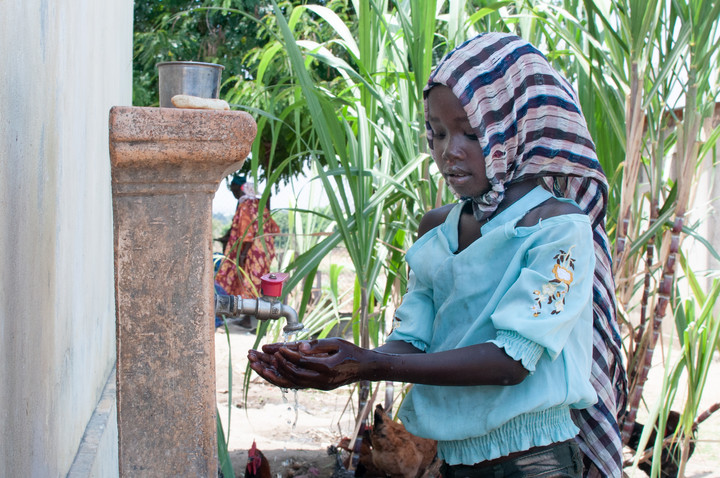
column 397, row 452
column 339, row 471
column 364, row 466
column 297, row 469
column 257, row 465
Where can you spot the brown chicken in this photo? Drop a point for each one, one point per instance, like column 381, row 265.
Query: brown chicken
column 257, row 465
column 365, row 466
column 397, row 452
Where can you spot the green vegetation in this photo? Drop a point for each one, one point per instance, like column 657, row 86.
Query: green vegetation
column 336, row 86
column 220, row 224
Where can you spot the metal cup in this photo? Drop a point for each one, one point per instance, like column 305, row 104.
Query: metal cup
column 188, row 78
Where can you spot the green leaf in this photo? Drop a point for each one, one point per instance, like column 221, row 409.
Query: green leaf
column 223, row 453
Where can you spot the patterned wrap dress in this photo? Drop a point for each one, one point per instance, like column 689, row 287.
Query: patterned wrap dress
column 243, row 278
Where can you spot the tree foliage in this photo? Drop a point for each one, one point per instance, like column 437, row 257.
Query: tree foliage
column 235, row 34
column 192, row 30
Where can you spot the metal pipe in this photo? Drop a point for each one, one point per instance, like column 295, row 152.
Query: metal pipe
column 265, row 308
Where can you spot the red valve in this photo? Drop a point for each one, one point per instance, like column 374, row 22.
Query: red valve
column 272, row 283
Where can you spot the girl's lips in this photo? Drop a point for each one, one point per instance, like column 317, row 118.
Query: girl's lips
column 456, row 177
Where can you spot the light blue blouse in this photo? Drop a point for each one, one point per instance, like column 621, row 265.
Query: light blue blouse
column 529, row 291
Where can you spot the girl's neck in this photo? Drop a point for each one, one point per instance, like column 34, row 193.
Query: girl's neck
column 469, row 229
column 515, row 192
column 512, row 193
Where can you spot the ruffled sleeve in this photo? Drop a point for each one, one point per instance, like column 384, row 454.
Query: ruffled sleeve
column 552, row 292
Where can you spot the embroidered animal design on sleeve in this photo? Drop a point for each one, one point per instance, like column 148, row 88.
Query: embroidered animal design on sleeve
column 553, row 292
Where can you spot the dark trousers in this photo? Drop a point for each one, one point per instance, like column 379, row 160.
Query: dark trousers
column 559, row 460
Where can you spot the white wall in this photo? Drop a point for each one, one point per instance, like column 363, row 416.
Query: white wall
column 64, row 63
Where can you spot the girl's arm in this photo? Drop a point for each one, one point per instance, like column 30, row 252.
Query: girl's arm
column 481, row 364
column 398, row 347
column 329, row 363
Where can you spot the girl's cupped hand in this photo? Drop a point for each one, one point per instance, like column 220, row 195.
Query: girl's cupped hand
column 321, row 364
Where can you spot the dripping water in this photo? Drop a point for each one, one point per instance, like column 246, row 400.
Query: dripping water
column 290, row 337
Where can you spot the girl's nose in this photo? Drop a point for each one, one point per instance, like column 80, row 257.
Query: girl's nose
column 453, row 151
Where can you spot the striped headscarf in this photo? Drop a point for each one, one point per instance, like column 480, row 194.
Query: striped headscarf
column 528, row 121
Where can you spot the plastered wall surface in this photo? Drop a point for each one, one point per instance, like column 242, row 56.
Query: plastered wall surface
column 64, row 64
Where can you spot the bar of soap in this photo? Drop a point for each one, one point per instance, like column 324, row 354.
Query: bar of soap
column 197, row 103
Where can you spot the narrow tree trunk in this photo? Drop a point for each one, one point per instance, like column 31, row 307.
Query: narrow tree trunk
column 664, row 293
column 686, row 164
column 636, row 340
column 635, row 116
column 364, row 389
column 685, row 454
column 707, row 413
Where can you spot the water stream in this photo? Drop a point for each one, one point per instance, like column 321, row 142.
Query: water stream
column 290, row 337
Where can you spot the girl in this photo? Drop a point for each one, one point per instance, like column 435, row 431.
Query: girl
column 508, row 329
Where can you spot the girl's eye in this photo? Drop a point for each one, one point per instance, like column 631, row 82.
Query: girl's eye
column 438, row 135
column 472, row 136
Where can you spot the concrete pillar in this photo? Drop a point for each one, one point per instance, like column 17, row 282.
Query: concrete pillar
column 166, row 166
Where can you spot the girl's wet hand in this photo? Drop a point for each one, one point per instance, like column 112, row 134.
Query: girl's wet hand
column 265, row 365
column 274, row 348
column 322, row 364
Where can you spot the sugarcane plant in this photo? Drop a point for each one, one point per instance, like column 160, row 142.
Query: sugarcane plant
column 643, row 71
column 366, row 149
column 698, row 329
column 648, row 66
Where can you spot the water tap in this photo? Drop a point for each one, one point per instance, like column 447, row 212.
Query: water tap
column 267, row 307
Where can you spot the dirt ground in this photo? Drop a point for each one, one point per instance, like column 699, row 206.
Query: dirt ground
column 294, row 430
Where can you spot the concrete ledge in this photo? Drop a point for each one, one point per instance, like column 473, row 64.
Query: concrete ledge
column 100, row 438
column 160, row 135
